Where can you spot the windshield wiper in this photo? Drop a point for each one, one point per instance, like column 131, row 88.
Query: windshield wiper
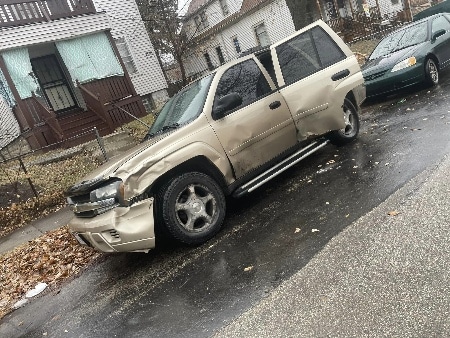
column 170, row 126
column 163, row 129
column 400, row 48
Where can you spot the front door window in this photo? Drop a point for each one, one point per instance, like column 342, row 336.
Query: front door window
column 53, row 83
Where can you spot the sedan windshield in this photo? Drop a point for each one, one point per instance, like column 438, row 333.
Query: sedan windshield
column 183, row 107
column 401, row 39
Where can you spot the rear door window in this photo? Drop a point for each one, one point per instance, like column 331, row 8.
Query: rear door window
column 306, row 54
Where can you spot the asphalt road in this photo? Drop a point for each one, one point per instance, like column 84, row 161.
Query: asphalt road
column 268, row 236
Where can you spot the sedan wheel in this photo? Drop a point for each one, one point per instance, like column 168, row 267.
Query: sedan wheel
column 193, row 207
column 431, row 72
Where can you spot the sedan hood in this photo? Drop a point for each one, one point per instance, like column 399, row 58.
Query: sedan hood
column 386, row 62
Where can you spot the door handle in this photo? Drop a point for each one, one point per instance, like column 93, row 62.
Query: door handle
column 340, row 75
column 275, row 105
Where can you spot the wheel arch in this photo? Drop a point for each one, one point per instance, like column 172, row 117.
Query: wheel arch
column 198, row 163
column 351, row 97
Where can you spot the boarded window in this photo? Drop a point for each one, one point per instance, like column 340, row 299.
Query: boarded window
column 89, row 57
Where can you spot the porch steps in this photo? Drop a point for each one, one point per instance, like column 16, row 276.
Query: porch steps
column 77, row 127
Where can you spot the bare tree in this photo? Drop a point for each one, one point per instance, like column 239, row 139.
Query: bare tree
column 303, row 12
column 165, row 27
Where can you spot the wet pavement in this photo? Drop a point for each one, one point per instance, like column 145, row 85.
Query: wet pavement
column 267, row 236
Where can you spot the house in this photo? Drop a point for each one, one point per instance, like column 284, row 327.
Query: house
column 223, row 29
column 69, row 65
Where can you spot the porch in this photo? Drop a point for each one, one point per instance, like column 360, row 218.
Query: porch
column 59, row 90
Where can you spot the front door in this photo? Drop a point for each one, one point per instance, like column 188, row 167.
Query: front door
column 261, row 127
column 53, row 82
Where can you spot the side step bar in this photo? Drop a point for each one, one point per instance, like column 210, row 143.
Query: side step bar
column 280, row 167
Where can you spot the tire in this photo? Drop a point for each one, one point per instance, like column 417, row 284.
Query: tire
column 431, row 72
column 351, row 129
column 191, row 207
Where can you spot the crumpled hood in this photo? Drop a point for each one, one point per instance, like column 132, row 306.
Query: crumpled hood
column 386, row 62
column 107, row 170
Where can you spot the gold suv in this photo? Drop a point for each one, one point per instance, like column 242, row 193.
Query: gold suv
column 225, row 134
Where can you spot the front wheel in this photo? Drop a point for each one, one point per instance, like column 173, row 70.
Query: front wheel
column 351, row 129
column 192, row 207
column 431, row 73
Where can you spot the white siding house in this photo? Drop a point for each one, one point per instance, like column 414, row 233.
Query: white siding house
column 258, row 22
column 9, row 128
column 252, row 23
column 44, row 46
column 130, row 34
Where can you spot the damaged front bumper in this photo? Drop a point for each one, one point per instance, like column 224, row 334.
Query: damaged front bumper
column 122, row 229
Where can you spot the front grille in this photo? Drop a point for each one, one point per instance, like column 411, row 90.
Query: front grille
column 374, row 76
column 114, row 234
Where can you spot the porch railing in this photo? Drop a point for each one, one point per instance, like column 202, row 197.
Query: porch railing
column 108, row 98
column 20, row 12
column 95, row 104
column 42, row 115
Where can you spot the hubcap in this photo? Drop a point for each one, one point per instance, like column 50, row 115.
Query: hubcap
column 195, row 208
column 350, row 129
column 432, row 70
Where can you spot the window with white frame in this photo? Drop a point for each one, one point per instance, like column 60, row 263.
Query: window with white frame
column 224, row 6
column 262, row 37
column 126, row 56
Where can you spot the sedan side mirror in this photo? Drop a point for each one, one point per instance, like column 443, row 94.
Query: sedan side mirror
column 438, row 34
column 225, row 104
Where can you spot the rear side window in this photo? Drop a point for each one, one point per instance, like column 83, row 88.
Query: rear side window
column 306, row 54
column 329, row 51
column 246, row 79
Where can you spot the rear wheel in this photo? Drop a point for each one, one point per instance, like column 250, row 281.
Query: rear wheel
column 431, row 72
column 192, row 208
column 351, row 129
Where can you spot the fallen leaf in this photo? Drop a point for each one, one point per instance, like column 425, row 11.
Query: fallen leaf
column 393, row 213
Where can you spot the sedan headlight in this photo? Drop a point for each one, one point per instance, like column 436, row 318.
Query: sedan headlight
column 404, row 64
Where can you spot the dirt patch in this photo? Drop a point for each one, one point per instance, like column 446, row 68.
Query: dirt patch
column 15, row 193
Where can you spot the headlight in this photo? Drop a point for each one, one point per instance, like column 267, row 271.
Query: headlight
column 404, row 64
column 114, row 190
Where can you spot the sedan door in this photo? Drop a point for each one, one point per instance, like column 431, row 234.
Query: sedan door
column 442, row 44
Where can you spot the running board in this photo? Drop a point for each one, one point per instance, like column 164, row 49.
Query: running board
column 279, row 168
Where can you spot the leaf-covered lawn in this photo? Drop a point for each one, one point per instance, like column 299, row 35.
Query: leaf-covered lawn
column 50, row 258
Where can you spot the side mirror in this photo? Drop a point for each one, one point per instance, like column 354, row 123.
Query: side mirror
column 438, row 34
column 225, row 104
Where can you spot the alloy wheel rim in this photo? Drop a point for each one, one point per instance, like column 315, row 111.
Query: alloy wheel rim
column 432, row 70
column 349, row 120
column 195, row 208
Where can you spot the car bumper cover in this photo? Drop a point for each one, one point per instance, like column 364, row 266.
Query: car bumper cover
column 122, row 229
column 390, row 82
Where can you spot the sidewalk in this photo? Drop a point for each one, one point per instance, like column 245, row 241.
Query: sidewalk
column 384, row 275
column 35, row 229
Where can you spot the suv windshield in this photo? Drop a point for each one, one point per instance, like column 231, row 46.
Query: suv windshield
column 404, row 38
column 183, row 107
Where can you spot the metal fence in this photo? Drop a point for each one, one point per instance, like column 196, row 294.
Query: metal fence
column 26, row 173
